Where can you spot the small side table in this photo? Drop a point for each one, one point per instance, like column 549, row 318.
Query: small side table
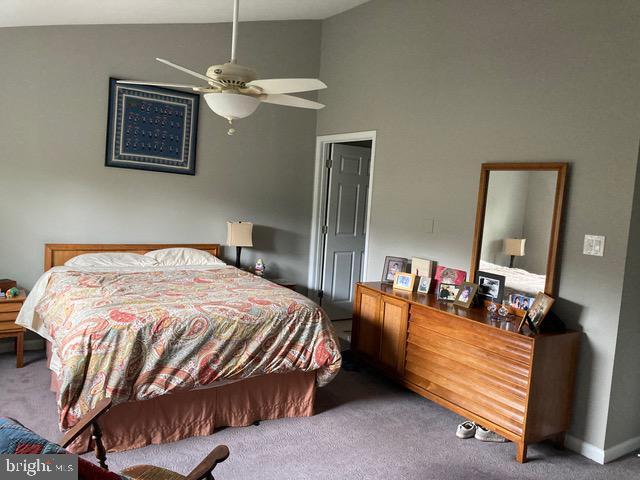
column 9, row 308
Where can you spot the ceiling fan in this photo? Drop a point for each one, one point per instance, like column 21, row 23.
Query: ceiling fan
column 232, row 90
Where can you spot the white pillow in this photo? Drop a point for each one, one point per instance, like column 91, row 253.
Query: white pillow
column 183, row 256
column 111, row 259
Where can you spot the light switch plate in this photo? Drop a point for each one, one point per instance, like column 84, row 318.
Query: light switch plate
column 593, row 245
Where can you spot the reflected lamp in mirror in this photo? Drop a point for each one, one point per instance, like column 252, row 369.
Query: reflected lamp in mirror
column 513, row 247
column 239, row 234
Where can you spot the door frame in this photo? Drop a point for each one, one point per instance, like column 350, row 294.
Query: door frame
column 320, row 201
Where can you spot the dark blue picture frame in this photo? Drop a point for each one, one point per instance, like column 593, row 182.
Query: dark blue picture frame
column 152, row 128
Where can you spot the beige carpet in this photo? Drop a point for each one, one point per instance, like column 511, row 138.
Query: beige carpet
column 365, row 428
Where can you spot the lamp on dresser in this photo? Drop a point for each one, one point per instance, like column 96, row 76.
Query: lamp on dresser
column 239, row 234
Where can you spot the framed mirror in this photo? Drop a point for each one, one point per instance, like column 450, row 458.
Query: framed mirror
column 518, row 225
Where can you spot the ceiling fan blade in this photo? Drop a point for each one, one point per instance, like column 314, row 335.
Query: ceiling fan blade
column 190, row 72
column 159, row 84
column 288, row 85
column 291, row 101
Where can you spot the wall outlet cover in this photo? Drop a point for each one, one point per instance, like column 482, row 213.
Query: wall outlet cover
column 593, row 245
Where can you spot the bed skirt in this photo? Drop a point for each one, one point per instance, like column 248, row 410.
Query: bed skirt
column 175, row 416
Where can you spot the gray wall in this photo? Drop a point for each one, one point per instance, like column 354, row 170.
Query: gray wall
column 541, row 191
column 504, row 214
column 449, row 85
column 624, row 409
column 52, row 144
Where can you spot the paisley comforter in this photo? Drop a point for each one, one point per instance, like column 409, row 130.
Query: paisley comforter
column 138, row 335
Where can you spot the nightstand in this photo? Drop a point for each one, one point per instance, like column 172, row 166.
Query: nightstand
column 9, row 308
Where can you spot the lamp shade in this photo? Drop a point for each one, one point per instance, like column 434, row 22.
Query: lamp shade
column 239, row 234
column 514, row 246
column 232, row 105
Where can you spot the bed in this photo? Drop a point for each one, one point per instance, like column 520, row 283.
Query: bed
column 517, row 280
column 180, row 351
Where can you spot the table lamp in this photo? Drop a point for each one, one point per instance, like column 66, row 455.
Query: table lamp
column 514, row 247
column 239, row 235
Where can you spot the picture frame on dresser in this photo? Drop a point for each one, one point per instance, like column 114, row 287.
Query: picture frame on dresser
column 448, row 292
column 404, row 281
column 536, row 314
column 424, row 284
column 393, row 265
column 490, row 286
column 421, row 267
column 466, row 295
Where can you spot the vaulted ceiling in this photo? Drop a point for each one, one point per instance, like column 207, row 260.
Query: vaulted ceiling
column 15, row 13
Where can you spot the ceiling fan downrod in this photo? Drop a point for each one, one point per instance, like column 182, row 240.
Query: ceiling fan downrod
column 234, row 35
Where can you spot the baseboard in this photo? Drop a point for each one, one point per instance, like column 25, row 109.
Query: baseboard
column 601, row 455
column 621, row 449
column 585, row 449
column 31, row 344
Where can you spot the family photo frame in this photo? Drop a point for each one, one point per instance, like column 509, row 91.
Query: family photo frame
column 466, row 295
column 490, row 286
column 404, row 281
column 393, row 265
column 448, row 292
column 537, row 312
column 424, row 284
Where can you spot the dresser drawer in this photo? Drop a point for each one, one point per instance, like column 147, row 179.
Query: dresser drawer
column 507, row 344
column 503, row 368
column 8, row 316
column 474, row 390
column 480, row 406
column 9, row 326
column 10, row 307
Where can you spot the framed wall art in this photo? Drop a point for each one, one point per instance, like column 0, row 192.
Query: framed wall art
column 151, row 128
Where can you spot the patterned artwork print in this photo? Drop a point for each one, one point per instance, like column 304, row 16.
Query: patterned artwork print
column 152, row 128
column 139, row 335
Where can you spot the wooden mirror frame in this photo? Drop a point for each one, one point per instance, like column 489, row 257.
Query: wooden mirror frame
column 487, row 168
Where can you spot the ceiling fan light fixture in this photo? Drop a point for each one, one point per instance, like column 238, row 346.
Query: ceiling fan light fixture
column 231, row 105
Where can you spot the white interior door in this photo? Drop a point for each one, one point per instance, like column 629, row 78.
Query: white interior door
column 344, row 232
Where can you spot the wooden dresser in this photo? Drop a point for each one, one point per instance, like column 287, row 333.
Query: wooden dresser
column 9, row 309
column 520, row 386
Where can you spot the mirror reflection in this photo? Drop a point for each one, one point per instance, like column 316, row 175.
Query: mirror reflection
column 517, row 228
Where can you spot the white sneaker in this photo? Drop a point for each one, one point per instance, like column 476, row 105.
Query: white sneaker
column 485, row 435
column 466, row 430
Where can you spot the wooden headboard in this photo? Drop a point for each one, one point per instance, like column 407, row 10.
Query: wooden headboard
column 55, row 254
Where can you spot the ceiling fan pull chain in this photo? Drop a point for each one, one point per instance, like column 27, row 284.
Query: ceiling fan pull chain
column 231, row 130
column 234, row 37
